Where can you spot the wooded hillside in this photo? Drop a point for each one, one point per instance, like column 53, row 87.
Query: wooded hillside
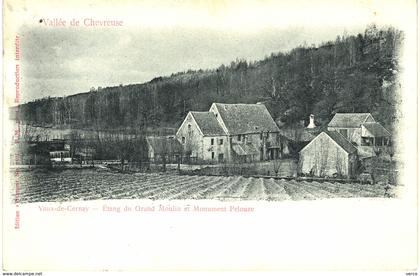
column 351, row 74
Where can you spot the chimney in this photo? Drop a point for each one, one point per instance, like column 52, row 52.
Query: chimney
column 311, row 121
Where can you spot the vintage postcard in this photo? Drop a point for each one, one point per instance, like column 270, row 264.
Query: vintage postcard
column 209, row 136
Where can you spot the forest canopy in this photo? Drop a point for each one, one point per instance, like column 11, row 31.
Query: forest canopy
column 355, row 73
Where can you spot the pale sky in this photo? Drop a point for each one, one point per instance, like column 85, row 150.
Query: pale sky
column 161, row 37
column 67, row 61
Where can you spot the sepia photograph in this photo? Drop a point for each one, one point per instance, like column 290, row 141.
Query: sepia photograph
column 170, row 113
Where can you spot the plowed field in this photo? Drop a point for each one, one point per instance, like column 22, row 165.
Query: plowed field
column 71, row 185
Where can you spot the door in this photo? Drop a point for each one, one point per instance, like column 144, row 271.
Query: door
column 221, row 157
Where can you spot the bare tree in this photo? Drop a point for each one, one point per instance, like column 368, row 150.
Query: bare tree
column 27, row 132
column 164, row 151
column 276, row 165
column 76, row 143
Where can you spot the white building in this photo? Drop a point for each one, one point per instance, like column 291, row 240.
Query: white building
column 230, row 133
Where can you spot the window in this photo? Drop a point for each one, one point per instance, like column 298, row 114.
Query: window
column 344, row 132
column 239, row 137
column 183, row 140
column 212, row 155
column 367, row 141
column 212, row 141
column 189, row 126
column 221, row 142
column 261, row 136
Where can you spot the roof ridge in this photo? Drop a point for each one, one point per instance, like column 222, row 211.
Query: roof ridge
column 350, row 119
column 353, row 113
column 201, row 112
column 371, row 123
column 239, row 104
column 340, row 135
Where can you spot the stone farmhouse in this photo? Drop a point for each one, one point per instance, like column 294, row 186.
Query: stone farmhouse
column 230, row 133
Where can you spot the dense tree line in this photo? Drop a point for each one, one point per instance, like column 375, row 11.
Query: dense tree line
column 357, row 73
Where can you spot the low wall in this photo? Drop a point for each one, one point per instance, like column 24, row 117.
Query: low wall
column 280, row 168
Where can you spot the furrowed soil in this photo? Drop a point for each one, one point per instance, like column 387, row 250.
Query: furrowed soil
column 71, row 185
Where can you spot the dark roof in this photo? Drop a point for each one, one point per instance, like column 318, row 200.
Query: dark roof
column 298, row 134
column 349, row 119
column 377, row 130
column 164, row 145
column 208, row 123
column 246, row 118
column 341, row 141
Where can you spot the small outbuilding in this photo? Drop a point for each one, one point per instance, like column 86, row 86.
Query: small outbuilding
column 163, row 149
column 328, row 154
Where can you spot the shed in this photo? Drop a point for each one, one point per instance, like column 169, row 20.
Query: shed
column 328, row 154
column 163, row 147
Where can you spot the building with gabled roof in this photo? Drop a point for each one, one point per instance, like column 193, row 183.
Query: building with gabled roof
column 350, row 137
column 230, row 133
column 328, row 154
column 202, row 137
column 363, row 131
column 350, row 120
